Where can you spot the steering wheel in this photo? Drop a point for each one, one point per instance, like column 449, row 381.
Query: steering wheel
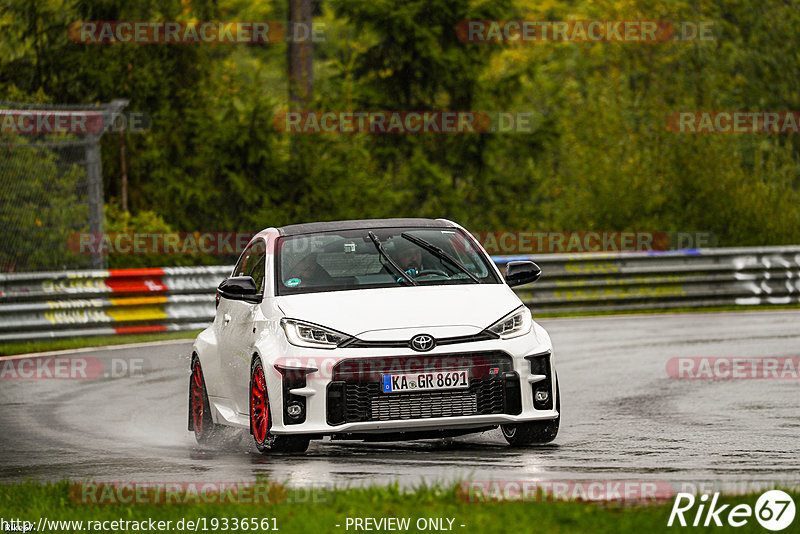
column 425, row 272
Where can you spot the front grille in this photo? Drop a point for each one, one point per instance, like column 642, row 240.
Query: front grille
column 360, row 343
column 355, row 394
column 424, row 406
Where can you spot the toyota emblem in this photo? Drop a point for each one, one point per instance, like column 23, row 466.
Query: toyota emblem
column 422, row 343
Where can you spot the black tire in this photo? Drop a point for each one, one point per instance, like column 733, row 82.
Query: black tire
column 261, row 418
column 206, row 432
column 534, row 432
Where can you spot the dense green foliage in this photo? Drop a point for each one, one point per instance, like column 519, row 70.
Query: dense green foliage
column 599, row 156
column 33, row 176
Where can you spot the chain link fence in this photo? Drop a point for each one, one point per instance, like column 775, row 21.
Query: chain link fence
column 51, row 183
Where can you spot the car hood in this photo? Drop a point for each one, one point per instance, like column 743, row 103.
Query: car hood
column 399, row 312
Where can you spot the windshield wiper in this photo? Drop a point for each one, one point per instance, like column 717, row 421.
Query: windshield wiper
column 377, row 243
column 441, row 254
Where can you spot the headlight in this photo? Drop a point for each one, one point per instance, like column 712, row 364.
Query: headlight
column 305, row 334
column 516, row 323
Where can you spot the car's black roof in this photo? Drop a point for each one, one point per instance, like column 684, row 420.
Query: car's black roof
column 310, row 228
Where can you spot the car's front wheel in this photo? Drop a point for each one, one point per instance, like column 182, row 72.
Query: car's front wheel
column 534, row 432
column 205, row 431
column 261, row 418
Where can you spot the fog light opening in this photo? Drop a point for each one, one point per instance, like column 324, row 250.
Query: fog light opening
column 294, row 410
column 541, row 395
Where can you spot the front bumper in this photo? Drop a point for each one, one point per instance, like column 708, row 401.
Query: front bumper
column 317, row 384
column 414, row 425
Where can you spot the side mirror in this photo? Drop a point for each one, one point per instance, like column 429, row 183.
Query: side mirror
column 240, row 288
column 522, row 272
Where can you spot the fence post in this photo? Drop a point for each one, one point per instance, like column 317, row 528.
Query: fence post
column 94, row 180
column 94, row 177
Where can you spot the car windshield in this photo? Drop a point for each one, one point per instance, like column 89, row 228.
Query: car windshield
column 351, row 259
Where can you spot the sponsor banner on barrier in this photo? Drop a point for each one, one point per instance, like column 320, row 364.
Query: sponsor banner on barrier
column 146, row 280
column 141, row 312
column 141, row 309
column 82, row 284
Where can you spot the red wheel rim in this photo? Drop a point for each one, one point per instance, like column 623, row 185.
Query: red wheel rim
column 197, row 399
column 259, row 407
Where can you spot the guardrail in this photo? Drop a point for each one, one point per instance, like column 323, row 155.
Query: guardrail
column 124, row 301
column 107, row 302
column 662, row 280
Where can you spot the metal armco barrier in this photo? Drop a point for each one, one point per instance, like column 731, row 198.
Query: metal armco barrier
column 124, row 301
column 103, row 302
column 663, row 280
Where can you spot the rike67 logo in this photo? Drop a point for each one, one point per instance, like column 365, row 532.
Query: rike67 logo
column 774, row 510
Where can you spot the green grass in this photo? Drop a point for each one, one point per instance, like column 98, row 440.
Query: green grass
column 24, row 347
column 320, row 511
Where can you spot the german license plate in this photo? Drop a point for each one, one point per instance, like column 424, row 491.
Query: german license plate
column 398, row 383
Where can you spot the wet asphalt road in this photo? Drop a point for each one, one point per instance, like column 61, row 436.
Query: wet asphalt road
column 623, row 418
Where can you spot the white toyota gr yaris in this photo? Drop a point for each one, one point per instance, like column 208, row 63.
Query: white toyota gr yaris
column 379, row 330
